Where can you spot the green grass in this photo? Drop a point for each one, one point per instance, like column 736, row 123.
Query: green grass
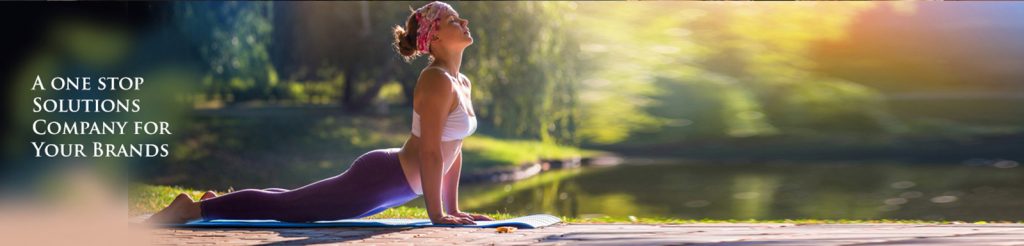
column 150, row 198
column 482, row 151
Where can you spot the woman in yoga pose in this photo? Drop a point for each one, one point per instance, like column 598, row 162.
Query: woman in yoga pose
column 428, row 164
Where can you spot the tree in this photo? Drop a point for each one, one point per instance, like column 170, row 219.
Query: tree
column 233, row 40
column 526, row 67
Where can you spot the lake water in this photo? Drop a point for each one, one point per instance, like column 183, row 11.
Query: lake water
column 974, row 190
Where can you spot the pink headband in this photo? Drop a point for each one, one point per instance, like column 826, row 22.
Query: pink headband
column 428, row 16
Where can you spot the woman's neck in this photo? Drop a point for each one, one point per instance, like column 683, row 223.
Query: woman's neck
column 449, row 59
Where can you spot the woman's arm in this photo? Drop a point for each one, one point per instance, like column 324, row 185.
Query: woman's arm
column 431, row 103
column 450, row 192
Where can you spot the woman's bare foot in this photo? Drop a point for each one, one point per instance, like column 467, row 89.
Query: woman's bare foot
column 208, row 195
column 181, row 210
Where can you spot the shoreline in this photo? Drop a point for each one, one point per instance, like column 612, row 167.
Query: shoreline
column 530, row 169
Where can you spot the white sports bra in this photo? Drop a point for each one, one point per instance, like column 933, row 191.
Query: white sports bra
column 459, row 124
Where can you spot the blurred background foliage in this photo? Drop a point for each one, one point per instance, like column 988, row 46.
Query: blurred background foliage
column 567, row 72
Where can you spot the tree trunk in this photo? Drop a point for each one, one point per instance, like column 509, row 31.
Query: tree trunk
column 347, row 88
column 359, row 104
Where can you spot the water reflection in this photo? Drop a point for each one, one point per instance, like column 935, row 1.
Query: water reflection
column 698, row 190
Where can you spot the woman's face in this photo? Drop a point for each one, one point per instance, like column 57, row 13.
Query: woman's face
column 454, row 31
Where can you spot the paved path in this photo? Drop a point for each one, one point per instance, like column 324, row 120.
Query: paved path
column 618, row 234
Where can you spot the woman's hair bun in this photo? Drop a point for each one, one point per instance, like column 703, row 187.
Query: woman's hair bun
column 405, row 38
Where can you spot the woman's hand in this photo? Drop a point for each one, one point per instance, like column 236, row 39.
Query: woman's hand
column 475, row 217
column 452, row 220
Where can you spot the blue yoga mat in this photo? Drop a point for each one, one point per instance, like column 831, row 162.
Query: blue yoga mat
column 525, row 222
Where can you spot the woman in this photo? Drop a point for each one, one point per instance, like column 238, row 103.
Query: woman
column 428, row 164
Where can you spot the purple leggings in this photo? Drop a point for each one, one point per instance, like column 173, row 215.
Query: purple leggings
column 373, row 183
